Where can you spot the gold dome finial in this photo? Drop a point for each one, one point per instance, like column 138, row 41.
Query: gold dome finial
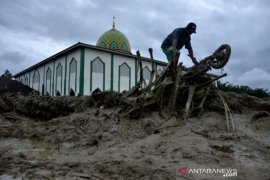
column 113, row 26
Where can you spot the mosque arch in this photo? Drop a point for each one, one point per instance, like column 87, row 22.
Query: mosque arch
column 26, row 80
column 73, row 75
column 59, row 79
column 159, row 71
column 36, row 80
column 124, row 77
column 48, row 84
column 146, row 75
column 97, row 74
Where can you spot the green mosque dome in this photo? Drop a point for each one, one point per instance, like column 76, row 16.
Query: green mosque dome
column 115, row 40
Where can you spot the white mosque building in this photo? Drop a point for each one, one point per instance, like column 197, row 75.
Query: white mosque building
column 82, row 68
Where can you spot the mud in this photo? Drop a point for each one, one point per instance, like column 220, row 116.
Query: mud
column 9, row 85
column 77, row 138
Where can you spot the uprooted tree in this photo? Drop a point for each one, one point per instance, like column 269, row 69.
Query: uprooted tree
column 177, row 90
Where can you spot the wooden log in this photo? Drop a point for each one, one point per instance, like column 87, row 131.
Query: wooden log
column 133, row 90
column 140, row 105
column 201, row 106
column 195, row 72
column 140, row 66
column 212, row 80
column 175, row 90
column 138, row 85
column 189, row 101
column 166, row 82
column 229, row 118
column 166, row 72
column 126, row 101
column 150, row 83
column 153, row 67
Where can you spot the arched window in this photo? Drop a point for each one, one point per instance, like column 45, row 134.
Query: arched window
column 124, row 77
column 146, row 75
column 36, row 80
column 73, row 74
column 97, row 74
column 159, row 71
column 48, row 82
column 26, row 80
column 58, row 84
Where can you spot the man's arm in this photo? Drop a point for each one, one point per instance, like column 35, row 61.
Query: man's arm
column 190, row 54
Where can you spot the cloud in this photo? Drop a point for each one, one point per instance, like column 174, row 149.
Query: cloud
column 12, row 57
column 9, row 59
column 255, row 78
column 20, row 50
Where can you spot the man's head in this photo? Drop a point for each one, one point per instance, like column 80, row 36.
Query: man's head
column 191, row 28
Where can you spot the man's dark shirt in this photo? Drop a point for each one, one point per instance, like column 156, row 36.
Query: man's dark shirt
column 182, row 39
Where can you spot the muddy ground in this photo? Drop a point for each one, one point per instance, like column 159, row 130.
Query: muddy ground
column 74, row 138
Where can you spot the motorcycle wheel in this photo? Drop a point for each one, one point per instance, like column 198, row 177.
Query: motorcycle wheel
column 220, row 56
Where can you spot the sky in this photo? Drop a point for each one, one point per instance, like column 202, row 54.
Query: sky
column 33, row 30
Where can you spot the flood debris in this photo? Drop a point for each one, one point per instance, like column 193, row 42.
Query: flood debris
column 178, row 90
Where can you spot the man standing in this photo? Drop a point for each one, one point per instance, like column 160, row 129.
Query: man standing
column 174, row 42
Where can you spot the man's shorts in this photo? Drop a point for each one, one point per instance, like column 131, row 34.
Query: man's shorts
column 169, row 53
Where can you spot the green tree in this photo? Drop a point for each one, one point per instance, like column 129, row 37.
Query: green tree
column 228, row 87
column 7, row 74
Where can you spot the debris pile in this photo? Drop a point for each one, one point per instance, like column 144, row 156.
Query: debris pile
column 178, row 90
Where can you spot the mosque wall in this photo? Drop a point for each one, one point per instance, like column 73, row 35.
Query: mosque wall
column 97, row 70
column 54, row 77
column 73, row 72
column 105, row 70
column 123, row 73
column 36, row 78
column 147, row 68
column 48, row 79
column 58, row 76
column 25, row 79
